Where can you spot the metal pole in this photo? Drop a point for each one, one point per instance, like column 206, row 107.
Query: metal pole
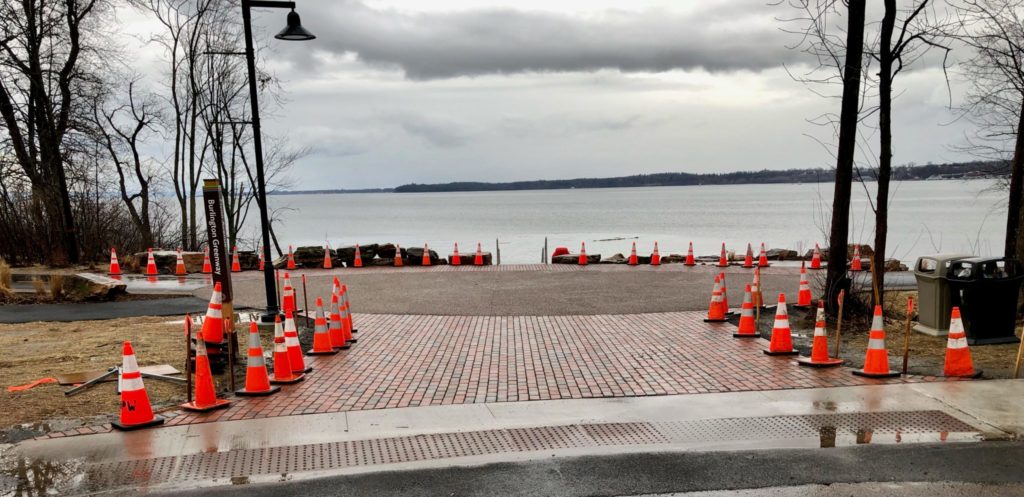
column 188, row 356
column 839, row 322
column 261, row 188
column 497, row 251
column 906, row 333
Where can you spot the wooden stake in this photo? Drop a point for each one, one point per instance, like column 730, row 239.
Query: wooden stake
column 305, row 301
column 1020, row 355
column 839, row 321
column 188, row 356
column 230, row 325
column 906, row 334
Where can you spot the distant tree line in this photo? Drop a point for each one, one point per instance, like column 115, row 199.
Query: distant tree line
column 902, row 173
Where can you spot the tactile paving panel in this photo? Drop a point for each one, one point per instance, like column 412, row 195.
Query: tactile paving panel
column 222, row 466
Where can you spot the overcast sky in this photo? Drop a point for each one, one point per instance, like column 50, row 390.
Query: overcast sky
column 400, row 91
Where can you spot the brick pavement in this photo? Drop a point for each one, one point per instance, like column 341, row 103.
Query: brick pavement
column 414, row 360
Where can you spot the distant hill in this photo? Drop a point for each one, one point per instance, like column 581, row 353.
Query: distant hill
column 900, row 173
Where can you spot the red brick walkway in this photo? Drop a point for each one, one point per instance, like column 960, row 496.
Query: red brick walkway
column 414, row 360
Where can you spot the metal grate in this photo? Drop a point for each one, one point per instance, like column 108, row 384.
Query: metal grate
column 222, row 466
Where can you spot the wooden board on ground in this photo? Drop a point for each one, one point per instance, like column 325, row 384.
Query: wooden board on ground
column 84, row 376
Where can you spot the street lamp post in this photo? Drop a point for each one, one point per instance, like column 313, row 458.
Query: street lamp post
column 294, row 31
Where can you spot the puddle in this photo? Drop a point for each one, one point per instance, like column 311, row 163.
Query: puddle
column 164, row 284
column 21, row 477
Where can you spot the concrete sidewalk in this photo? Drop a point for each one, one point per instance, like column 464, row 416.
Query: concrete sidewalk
column 261, row 450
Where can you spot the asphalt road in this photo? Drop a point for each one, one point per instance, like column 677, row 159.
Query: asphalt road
column 990, row 463
column 539, row 293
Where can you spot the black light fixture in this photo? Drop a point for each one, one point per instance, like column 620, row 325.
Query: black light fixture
column 294, row 31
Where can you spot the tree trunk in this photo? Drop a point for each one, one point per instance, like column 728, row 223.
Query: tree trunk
column 1014, row 219
column 885, row 148
column 836, row 279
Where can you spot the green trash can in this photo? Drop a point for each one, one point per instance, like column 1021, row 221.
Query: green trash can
column 986, row 290
column 933, row 292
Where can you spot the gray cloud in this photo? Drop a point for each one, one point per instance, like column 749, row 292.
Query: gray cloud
column 719, row 36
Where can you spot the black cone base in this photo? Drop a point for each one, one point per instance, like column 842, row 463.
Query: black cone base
column 217, row 404
column 706, row 320
column 976, row 374
column 259, row 393
column 294, row 379
column 830, row 363
column 785, row 352
column 157, row 420
column 325, row 352
column 746, row 335
column 890, row 374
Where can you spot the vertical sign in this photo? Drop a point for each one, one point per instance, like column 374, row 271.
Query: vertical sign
column 218, row 245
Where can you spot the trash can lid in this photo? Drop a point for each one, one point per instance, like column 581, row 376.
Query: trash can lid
column 935, row 265
column 978, row 268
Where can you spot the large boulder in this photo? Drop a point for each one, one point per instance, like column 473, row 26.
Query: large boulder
column 810, row 254
column 310, row 256
column 894, row 265
column 467, row 259
column 575, row 259
column 89, row 286
column 673, row 259
column 386, row 251
column 865, row 251
column 782, row 255
column 167, row 261
column 614, row 259
column 347, row 255
column 414, row 256
column 249, row 260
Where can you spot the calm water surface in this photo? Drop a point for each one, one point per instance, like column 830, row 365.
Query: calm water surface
column 925, row 217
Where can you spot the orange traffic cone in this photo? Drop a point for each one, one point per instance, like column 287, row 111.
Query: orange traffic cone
column 958, row 356
column 321, row 337
column 716, row 310
column 261, row 263
column 205, row 397
column 151, row 264
column 283, row 373
column 291, row 340
column 655, row 256
column 287, row 294
column 213, row 324
column 690, row 261
column 723, row 260
column 855, row 263
column 876, row 360
column 478, row 260
column 398, row 256
column 748, row 261
column 236, row 265
column 725, row 294
column 456, row 258
column 257, row 382
column 747, row 327
column 136, row 411
column 755, row 289
column 207, row 267
column 762, row 260
column 291, row 259
column 358, row 261
column 115, row 267
column 782, row 338
column 346, row 314
column 819, row 349
column 426, row 255
column 632, row 256
column 583, row 254
column 803, row 297
column 816, row 257
column 179, row 267
column 335, row 327
column 328, row 263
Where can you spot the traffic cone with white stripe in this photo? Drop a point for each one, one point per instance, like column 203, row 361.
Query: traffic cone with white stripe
column 803, row 297
column 716, row 309
column 287, row 294
column 748, row 261
column 291, row 340
column 398, row 256
column 819, row 349
column 755, row 289
column 816, row 257
column 725, row 294
column 283, row 374
column 328, row 263
column 876, row 360
column 762, row 260
column 346, row 314
column 478, row 259
column 426, row 256
column 151, row 264
column 115, row 267
column 205, row 396
column 632, row 255
column 290, row 264
column 456, row 258
column 855, row 263
column 583, row 254
column 655, row 256
column 723, row 259
column 257, row 382
column 747, row 327
column 321, row 337
column 358, row 260
column 136, row 411
column 958, row 356
column 179, row 266
column 213, row 324
column 335, row 327
column 207, row 267
column 236, row 265
column 690, row 261
column 782, row 337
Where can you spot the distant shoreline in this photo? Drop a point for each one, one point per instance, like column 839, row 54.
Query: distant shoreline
column 962, row 170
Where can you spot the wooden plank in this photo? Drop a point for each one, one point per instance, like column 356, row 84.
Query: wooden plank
column 84, row 376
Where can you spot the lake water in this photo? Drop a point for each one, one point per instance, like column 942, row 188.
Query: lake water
column 925, row 217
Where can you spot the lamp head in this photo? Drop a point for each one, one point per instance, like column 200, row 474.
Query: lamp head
column 294, row 31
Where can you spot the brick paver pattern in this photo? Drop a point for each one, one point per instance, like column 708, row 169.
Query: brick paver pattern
column 414, row 360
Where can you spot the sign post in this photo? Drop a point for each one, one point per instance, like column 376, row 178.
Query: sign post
column 215, row 234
